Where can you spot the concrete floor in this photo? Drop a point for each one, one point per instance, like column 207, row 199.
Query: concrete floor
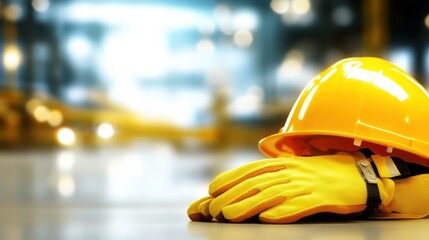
column 141, row 191
column 149, row 222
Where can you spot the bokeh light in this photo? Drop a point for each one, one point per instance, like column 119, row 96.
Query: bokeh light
column 40, row 5
column 301, row 6
column 280, row 6
column 66, row 136
column 427, row 21
column 243, row 38
column 66, row 186
column 55, row 118
column 41, row 113
column 112, row 107
column 205, row 46
column 12, row 11
column 105, row 130
column 11, row 57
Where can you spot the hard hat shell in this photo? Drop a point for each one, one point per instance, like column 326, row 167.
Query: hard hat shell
column 357, row 102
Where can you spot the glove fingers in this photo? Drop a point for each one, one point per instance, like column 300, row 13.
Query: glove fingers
column 231, row 178
column 247, row 189
column 194, row 212
column 267, row 198
column 300, row 206
column 203, row 208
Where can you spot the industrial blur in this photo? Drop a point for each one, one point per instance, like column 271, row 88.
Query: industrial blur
column 143, row 102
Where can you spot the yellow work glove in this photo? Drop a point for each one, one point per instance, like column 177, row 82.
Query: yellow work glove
column 411, row 199
column 199, row 210
column 284, row 190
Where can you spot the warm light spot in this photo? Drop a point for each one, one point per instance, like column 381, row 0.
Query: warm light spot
column 293, row 63
column 280, row 6
column 248, row 103
column 66, row 186
column 12, row 12
column 65, row 161
column 11, row 57
column 301, row 6
column 55, row 118
column 41, row 113
column 40, row 5
column 105, row 130
column 205, row 46
column 222, row 14
column 66, row 136
column 243, row 38
column 32, row 104
column 427, row 21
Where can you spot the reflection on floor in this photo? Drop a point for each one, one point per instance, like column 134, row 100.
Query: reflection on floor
column 141, row 173
column 141, row 191
column 99, row 193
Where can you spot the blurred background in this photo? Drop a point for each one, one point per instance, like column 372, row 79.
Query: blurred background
column 140, row 103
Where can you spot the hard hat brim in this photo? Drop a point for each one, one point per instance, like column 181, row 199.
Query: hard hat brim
column 299, row 144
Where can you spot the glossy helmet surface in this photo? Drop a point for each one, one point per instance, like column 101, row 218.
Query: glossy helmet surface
column 357, row 102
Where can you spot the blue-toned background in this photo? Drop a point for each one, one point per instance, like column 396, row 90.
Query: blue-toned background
column 138, row 104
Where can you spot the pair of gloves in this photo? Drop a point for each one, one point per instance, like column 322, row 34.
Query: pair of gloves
column 285, row 190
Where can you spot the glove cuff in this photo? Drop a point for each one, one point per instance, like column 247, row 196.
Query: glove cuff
column 374, row 168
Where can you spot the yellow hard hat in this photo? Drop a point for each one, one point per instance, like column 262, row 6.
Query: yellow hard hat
column 357, row 102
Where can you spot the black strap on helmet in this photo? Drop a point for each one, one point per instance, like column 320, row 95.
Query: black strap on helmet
column 364, row 164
